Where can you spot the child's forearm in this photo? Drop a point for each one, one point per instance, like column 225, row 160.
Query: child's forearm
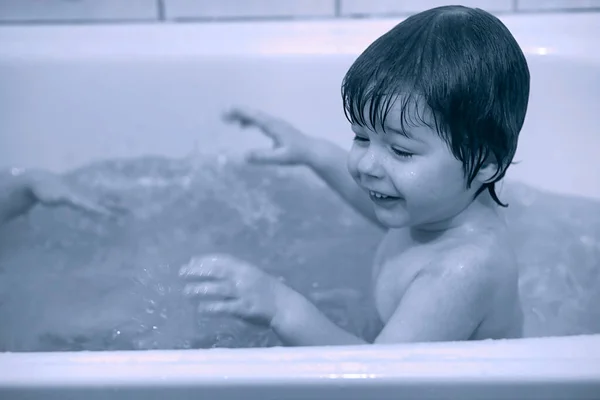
column 329, row 163
column 300, row 323
column 15, row 196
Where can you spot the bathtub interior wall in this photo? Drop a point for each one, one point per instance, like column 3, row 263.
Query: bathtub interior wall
column 71, row 95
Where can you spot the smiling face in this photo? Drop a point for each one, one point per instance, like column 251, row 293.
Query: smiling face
column 411, row 175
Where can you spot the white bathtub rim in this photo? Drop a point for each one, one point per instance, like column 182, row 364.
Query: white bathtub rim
column 561, row 360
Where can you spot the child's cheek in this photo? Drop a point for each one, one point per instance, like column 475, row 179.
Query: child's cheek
column 352, row 162
column 421, row 181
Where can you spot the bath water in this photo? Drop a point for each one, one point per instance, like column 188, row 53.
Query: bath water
column 70, row 282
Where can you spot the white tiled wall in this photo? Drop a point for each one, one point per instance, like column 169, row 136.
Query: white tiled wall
column 378, row 7
column 77, row 10
column 556, row 4
column 174, row 10
column 248, row 8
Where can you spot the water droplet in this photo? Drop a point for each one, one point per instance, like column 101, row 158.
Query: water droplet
column 160, row 289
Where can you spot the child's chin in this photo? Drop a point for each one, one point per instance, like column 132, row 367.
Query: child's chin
column 392, row 220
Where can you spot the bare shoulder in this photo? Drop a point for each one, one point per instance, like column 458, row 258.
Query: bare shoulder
column 461, row 288
column 476, row 252
column 484, row 263
column 484, row 269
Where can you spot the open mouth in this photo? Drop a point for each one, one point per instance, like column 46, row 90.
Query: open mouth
column 380, row 197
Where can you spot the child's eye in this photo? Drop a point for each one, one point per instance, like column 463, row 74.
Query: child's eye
column 402, row 153
column 360, row 139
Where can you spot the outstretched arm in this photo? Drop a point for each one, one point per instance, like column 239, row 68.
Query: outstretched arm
column 299, row 322
column 292, row 147
column 21, row 190
column 445, row 304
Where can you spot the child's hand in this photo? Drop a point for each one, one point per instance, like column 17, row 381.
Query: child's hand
column 290, row 145
column 226, row 285
column 51, row 190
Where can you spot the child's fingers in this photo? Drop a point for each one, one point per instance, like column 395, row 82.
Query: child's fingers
column 226, row 307
column 211, row 289
column 271, row 126
column 210, row 267
column 245, row 114
column 241, row 116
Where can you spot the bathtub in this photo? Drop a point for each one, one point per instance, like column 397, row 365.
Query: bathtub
column 59, row 111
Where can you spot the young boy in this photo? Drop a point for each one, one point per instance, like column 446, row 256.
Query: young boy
column 21, row 190
column 436, row 106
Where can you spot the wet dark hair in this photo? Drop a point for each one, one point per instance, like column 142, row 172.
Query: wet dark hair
column 461, row 63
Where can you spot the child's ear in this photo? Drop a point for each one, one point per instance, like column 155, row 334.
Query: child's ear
column 487, row 172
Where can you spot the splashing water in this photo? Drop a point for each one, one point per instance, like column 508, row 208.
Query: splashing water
column 68, row 282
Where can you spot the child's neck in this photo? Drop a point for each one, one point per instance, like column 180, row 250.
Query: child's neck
column 481, row 213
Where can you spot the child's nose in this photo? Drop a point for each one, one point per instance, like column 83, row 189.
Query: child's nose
column 369, row 164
